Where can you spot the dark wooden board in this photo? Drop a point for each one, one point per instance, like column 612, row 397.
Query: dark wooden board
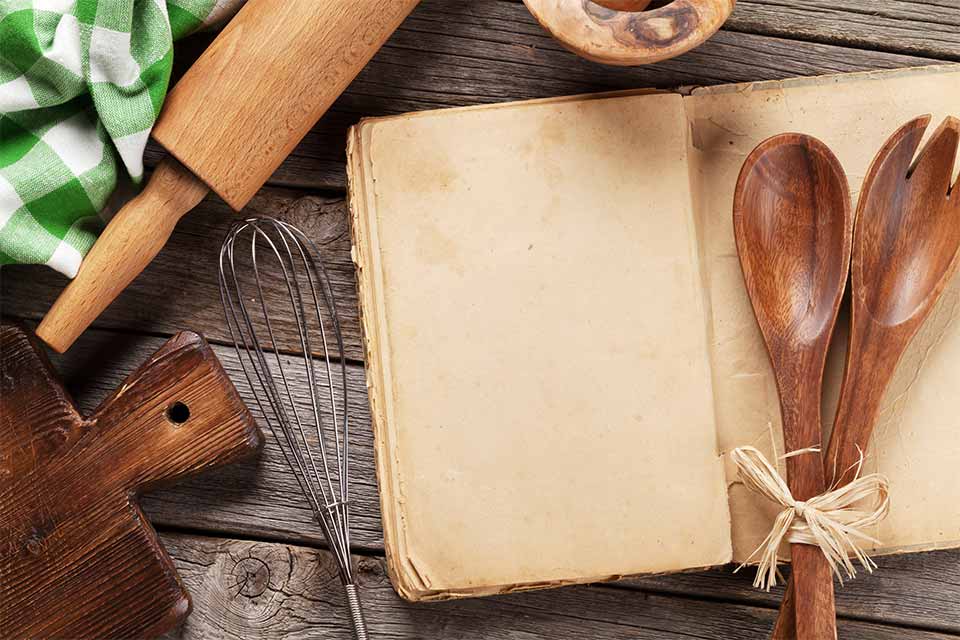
column 445, row 54
column 929, row 28
column 913, row 590
column 264, row 590
column 260, row 499
column 77, row 558
column 179, row 289
column 452, row 54
column 462, row 53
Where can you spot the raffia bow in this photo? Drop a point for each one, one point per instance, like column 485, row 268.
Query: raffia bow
column 828, row 521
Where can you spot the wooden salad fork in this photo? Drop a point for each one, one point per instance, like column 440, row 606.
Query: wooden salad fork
column 793, row 225
column 905, row 252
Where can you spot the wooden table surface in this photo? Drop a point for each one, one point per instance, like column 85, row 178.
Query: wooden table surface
column 243, row 539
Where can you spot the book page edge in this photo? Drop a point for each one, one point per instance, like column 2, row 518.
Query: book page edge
column 361, row 205
column 696, row 222
column 801, row 81
column 514, row 104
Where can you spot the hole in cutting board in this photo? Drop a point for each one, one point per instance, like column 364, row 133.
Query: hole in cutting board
column 178, row 413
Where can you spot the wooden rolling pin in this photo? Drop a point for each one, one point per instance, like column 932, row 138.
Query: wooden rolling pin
column 228, row 124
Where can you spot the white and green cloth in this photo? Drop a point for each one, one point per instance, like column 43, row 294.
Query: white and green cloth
column 81, row 84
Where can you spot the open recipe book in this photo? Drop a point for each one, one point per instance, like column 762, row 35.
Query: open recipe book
column 560, row 348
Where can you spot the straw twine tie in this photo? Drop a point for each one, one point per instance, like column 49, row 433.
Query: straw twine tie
column 830, row 520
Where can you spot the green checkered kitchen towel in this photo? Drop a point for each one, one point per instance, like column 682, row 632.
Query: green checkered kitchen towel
column 81, row 84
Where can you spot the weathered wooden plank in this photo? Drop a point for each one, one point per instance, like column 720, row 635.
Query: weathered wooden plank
column 913, row 590
column 254, row 498
column 929, row 28
column 462, row 53
column 446, row 54
column 179, row 289
column 261, row 499
column 257, row 589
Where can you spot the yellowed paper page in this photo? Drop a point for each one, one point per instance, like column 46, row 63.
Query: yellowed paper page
column 917, row 443
column 537, row 333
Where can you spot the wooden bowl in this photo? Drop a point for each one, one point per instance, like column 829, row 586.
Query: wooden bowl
column 619, row 32
column 624, row 5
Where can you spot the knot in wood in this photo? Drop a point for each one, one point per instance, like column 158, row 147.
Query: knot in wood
column 36, row 543
column 252, row 577
column 319, row 219
column 34, row 546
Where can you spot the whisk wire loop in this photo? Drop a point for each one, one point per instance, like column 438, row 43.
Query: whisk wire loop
column 322, row 468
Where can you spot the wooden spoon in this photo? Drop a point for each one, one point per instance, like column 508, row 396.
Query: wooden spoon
column 793, row 224
column 904, row 254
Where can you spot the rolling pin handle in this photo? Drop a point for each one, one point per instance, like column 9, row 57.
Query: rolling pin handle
column 131, row 240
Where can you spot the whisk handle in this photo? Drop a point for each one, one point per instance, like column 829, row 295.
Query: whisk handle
column 356, row 612
column 134, row 236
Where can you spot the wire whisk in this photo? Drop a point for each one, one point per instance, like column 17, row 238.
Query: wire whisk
column 313, row 440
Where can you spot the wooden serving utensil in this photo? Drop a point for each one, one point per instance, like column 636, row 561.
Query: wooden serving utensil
column 620, row 32
column 793, row 225
column 228, row 124
column 905, row 252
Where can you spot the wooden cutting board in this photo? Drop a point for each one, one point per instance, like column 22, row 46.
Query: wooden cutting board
column 78, row 558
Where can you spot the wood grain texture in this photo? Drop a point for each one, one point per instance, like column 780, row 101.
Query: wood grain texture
column 926, row 28
column 905, row 251
column 454, row 54
column 264, row 82
column 624, row 5
column 179, row 288
column 260, row 499
column 461, row 53
column 129, row 243
column 929, row 28
column 794, row 224
column 232, row 119
column 904, row 254
column 892, row 594
column 621, row 35
column 77, row 557
column 264, row 590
